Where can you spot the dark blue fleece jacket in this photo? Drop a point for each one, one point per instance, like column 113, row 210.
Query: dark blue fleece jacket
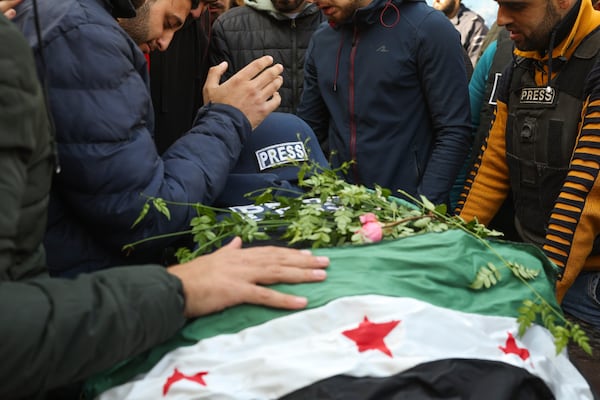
column 388, row 89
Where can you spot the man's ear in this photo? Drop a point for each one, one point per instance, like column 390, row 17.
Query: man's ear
column 566, row 4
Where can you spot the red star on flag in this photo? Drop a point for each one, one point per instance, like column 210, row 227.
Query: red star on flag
column 512, row 348
column 178, row 376
column 369, row 335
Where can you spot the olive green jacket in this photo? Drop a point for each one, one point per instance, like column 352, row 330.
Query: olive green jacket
column 53, row 331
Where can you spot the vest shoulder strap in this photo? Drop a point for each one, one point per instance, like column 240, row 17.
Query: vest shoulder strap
column 569, row 79
column 590, row 46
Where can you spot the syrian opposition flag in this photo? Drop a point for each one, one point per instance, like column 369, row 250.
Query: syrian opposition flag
column 394, row 320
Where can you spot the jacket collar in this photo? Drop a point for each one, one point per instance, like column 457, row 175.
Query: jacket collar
column 372, row 13
column 120, row 8
column 267, row 6
column 461, row 11
column 569, row 33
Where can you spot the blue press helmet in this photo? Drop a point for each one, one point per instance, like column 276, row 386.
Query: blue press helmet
column 270, row 159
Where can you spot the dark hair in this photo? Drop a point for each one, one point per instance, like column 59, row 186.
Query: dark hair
column 138, row 3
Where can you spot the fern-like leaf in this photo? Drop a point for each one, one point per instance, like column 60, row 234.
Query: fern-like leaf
column 527, row 315
column 161, row 207
column 580, row 338
column 486, row 277
column 521, row 271
column 143, row 213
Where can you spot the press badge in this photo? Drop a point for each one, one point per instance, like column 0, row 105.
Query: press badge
column 538, row 95
column 280, row 154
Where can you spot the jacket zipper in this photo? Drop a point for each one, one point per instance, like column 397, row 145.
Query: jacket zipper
column 351, row 107
column 294, row 65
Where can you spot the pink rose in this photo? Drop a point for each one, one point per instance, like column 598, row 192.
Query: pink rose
column 368, row 217
column 371, row 229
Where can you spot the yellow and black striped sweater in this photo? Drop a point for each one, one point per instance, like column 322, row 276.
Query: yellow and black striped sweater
column 575, row 220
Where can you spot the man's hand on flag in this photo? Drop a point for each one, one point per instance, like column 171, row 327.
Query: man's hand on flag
column 233, row 275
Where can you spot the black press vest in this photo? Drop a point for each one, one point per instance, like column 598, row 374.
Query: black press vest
column 541, row 131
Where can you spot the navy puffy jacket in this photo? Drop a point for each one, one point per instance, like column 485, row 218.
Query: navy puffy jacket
column 98, row 91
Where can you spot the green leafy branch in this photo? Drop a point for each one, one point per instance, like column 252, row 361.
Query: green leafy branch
column 489, row 275
column 159, row 204
column 327, row 213
column 562, row 332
